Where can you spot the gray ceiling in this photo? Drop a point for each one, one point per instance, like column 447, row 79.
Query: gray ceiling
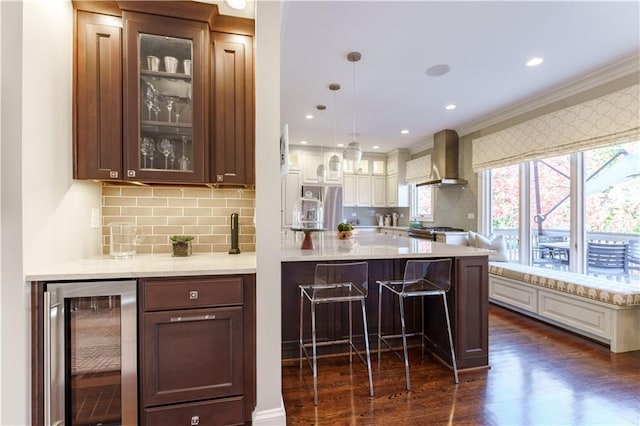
column 486, row 44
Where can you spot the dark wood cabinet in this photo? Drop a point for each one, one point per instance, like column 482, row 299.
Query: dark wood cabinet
column 197, row 349
column 233, row 109
column 98, row 97
column 139, row 118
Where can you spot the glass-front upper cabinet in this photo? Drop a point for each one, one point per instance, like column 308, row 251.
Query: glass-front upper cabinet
column 165, row 99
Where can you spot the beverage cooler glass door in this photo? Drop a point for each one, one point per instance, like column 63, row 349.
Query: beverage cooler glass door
column 90, row 353
column 166, row 131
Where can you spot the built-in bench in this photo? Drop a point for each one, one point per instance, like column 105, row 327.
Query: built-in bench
column 603, row 310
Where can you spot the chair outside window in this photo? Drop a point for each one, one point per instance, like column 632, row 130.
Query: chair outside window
column 608, row 259
column 421, row 278
column 335, row 283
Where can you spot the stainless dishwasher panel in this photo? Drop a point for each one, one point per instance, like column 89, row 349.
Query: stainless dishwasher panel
column 90, row 353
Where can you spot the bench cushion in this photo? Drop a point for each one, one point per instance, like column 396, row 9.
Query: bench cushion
column 615, row 293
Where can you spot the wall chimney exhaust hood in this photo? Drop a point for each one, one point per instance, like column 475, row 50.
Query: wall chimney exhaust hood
column 444, row 160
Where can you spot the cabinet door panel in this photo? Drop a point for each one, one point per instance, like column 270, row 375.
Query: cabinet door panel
column 232, row 105
column 227, row 411
column 98, row 97
column 157, row 122
column 191, row 355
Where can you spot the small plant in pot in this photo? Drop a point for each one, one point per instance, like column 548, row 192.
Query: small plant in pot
column 345, row 231
column 181, row 245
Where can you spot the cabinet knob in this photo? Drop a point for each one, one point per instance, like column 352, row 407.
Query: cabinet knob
column 131, row 173
column 219, row 178
column 113, row 174
column 193, row 294
column 195, row 420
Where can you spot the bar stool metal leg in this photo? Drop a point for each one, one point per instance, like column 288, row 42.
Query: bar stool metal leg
column 379, row 319
column 350, row 334
column 366, row 342
column 453, row 355
column 301, row 311
column 315, row 356
column 404, row 342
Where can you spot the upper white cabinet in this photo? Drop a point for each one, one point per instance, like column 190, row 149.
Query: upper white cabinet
column 356, row 191
column 397, row 188
column 310, row 162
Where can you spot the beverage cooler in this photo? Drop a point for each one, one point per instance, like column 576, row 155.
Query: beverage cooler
column 90, row 353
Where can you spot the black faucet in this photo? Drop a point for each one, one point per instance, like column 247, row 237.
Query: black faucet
column 234, row 234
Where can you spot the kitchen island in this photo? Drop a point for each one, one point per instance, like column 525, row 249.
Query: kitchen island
column 387, row 255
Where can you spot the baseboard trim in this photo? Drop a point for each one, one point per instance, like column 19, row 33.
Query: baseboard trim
column 271, row 417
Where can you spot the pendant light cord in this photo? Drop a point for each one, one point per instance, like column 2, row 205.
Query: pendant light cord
column 354, row 101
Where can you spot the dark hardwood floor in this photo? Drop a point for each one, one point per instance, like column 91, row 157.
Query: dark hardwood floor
column 540, row 375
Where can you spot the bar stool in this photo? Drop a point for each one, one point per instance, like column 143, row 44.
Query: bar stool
column 421, row 278
column 335, row 283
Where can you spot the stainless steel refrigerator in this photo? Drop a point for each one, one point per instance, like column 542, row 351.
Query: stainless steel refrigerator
column 331, row 197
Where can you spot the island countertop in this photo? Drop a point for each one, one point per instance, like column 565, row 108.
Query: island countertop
column 367, row 245
column 148, row 265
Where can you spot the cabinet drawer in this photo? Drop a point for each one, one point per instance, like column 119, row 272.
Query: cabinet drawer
column 182, row 293
column 191, row 355
column 227, row 411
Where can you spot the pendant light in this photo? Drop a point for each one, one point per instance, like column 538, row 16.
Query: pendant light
column 353, row 153
column 335, row 162
column 321, row 170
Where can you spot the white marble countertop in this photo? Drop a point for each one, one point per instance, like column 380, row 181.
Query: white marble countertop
column 368, row 245
column 148, row 265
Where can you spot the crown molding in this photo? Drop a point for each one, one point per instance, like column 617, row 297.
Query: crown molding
column 618, row 70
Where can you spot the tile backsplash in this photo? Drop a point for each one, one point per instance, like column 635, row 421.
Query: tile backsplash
column 164, row 211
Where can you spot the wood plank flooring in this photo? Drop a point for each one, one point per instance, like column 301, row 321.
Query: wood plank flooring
column 539, row 375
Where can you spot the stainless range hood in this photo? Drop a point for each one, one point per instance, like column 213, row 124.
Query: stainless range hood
column 444, row 160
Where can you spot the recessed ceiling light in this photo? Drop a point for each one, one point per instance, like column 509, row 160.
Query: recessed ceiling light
column 303, row 142
column 237, row 4
column 308, row 116
column 534, row 61
column 340, row 145
column 404, row 132
column 450, row 107
column 438, row 70
column 375, row 147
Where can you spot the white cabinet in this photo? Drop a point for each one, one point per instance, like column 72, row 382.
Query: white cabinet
column 378, row 191
column 356, row 191
column 310, row 162
column 291, row 187
column 397, row 188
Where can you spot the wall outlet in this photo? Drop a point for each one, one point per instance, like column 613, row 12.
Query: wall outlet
column 401, row 215
column 95, row 218
column 471, row 216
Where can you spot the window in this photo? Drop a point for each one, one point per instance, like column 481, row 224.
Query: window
column 606, row 210
column 422, row 202
column 505, row 206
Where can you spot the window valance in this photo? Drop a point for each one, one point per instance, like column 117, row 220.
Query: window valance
column 419, row 169
column 610, row 119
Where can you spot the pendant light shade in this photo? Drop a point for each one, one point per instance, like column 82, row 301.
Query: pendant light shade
column 321, row 173
column 353, row 153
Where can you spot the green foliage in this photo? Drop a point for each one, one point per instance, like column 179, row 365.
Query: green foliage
column 181, row 238
column 345, row 227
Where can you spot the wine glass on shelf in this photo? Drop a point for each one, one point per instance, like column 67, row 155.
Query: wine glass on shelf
column 166, row 147
column 179, row 106
column 147, row 147
column 150, row 97
column 183, row 161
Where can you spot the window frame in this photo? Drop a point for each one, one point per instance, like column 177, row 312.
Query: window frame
column 413, row 188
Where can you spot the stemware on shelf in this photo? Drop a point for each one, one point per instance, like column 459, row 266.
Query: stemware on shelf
column 183, row 162
column 147, row 147
column 167, row 147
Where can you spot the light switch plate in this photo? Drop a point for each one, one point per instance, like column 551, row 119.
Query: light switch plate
column 471, row 216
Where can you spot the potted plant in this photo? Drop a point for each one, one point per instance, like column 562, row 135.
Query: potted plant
column 181, row 245
column 345, row 231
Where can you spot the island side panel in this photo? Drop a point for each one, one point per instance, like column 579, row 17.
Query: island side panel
column 472, row 312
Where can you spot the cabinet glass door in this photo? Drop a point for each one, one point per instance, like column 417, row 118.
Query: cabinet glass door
column 166, row 111
column 166, row 96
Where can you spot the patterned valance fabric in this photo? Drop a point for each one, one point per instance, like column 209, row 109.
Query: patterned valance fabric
column 607, row 120
column 419, row 169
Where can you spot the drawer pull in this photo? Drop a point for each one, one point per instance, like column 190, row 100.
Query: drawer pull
column 195, row 420
column 193, row 295
column 193, row 318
